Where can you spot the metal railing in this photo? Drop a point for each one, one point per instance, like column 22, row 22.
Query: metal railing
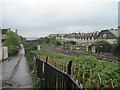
column 51, row 77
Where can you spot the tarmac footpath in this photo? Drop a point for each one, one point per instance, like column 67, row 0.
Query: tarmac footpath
column 15, row 72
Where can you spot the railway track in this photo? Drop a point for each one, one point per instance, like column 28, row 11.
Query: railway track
column 74, row 53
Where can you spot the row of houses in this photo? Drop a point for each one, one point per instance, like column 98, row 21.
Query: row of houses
column 86, row 39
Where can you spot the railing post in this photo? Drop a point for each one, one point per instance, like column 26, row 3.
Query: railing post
column 68, row 70
column 46, row 58
column 69, row 65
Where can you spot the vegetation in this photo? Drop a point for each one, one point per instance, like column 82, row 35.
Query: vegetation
column 102, row 46
column 56, row 42
column 30, row 46
column 105, row 69
column 69, row 43
column 22, row 39
column 43, row 40
column 116, row 48
column 33, row 69
column 13, row 42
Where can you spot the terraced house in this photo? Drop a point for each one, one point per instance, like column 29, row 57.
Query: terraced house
column 80, row 38
column 86, row 39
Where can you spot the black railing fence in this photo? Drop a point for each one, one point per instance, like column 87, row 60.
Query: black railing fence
column 53, row 78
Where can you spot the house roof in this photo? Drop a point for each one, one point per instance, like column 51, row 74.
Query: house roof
column 4, row 31
column 82, row 35
column 113, row 32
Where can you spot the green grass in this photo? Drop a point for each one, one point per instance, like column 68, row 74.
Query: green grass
column 32, row 67
column 106, row 70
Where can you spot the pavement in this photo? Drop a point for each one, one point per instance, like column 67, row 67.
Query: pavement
column 15, row 72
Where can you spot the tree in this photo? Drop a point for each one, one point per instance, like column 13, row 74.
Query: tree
column 102, row 46
column 56, row 42
column 12, row 40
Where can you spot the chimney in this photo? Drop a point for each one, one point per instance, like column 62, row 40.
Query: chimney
column 16, row 30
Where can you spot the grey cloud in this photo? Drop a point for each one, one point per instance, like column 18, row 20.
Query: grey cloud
column 56, row 18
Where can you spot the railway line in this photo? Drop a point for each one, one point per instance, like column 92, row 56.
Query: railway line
column 75, row 53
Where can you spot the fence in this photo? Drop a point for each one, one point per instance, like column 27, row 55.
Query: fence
column 52, row 77
column 60, row 74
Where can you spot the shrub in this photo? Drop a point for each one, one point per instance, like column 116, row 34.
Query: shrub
column 102, row 46
column 12, row 41
column 30, row 46
column 12, row 50
column 116, row 48
column 56, row 42
column 70, row 43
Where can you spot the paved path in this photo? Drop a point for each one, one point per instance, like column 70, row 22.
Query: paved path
column 16, row 72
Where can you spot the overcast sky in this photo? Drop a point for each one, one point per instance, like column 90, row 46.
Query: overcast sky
column 36, row 18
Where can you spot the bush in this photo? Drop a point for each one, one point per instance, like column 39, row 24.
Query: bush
column 102, row 46
column 56, row 42
column 12, row 41
column 30, row 46
column 70, row 43
column 12, row 50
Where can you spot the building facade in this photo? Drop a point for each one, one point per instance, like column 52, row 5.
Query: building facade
column 3, row 49
column 4, row 33
column 108, row 35
column 0, row 45
column 80, row 38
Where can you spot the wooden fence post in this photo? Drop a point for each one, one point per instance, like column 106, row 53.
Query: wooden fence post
column 98, row 81
column 72, row 72
column 111, row 84
column 42, row 58
column 59, row 64
column 90, row 79
column 75, row 72
column 83, row 78
column 63, row 66
column 79, row 75
column 66, row 67
column 55, row 63
column 52, row 61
